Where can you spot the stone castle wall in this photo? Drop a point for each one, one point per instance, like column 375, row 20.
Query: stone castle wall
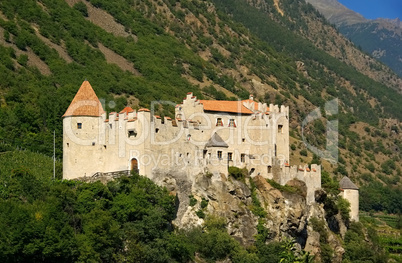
column 257, row 141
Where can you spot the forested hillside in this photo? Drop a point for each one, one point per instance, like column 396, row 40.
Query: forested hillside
column 135, row 52
column 126, row 220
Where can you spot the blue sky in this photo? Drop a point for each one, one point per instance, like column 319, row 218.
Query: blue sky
column 372, row 9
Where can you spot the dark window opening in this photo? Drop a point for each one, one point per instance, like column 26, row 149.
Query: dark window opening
column 269, row 169
column 232, row 123
column 219, row 154
column 156, row 130
column 280, row 128
column 132, row 133
column 219, row 122
column 230, row 156
column 79, row 125
column 242, row 157
column 134, row 166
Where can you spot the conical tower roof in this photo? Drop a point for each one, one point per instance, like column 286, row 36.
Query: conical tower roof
column 346, row 183
column 216, row 141
column 85, row 103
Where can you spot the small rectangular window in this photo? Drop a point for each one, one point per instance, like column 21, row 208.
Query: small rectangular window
column 132, row 133
column 219, row 122
column 230, row 156
column 269, row 169
column 79, row 125
column 219, row 154
column 280, row 128
column 242, row 157
column 232, row 123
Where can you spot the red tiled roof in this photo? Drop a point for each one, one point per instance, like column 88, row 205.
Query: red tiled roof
column 127, row 110
column 144, row 109
column 85, row 103
column 225, row 106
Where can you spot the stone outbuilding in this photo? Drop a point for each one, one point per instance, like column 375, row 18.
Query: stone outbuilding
column 350, row 192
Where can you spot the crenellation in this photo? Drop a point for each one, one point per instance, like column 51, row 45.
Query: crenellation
column 204, row 136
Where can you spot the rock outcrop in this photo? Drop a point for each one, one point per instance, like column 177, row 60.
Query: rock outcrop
column 288, row 214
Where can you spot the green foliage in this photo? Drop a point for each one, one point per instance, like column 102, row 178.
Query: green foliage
column 358, row 250
column 326, row 250
column 204, row 203
column 282, row 188
column 82, row 8
column 344, row 209
column 303, row 152
column 200, row 213
column 289, row 253
column 193, row 201
column 378, row 197
column 237, row 173
column 388, row 166
column 256, row 208
column 73, row 221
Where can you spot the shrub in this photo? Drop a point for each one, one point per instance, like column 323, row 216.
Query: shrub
column 204, row 203
column 237, row 173
column 82, row 8
column 303, row 152
column 344, row 208
column 193, row 201
column 200, row 213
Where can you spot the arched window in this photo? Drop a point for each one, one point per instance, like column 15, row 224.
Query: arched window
column 134, row 165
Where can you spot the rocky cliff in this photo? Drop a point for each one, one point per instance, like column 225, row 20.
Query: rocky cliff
column 285, row 213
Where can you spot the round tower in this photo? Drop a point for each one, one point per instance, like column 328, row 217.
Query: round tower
column 350, row 192
column 82, row 134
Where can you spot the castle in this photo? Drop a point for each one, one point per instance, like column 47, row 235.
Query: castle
column 206, row 136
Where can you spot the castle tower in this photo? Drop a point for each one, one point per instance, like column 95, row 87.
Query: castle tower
column 350, row 192
column 82, row 134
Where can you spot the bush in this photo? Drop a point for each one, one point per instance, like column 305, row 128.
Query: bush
column 204, row 203
column 344, row 209
column 303, row 152
column 82, row 8
column 200, row 213
column 193, row 201
column 237, row 173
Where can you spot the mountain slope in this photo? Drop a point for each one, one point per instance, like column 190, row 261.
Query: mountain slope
column 143, row 51
column 381, row 38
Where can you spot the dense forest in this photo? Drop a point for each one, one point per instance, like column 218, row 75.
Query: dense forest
column 211, row 48
column 126, row 220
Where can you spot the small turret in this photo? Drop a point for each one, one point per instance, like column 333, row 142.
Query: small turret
column 350, row 192
column 82, row 134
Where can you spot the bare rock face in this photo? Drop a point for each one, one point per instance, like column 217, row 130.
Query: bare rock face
column 288, row 214
column 227, row 198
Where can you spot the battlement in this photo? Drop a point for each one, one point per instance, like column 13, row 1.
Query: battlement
column 204, row 135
